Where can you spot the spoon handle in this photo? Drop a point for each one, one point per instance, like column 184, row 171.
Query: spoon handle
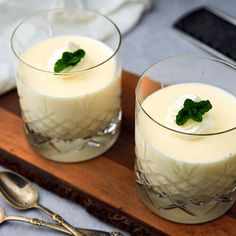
column 34, row 221
column 57, row 218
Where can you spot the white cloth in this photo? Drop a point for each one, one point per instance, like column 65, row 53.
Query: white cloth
column 125, row 13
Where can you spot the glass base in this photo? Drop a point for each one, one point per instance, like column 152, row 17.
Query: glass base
column 180, row 211
column 75, row 150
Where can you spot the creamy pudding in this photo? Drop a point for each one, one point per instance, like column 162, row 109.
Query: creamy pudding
column 75, row 104
column 182, row 167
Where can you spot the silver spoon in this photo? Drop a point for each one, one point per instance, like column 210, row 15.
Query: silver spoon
column 38, row 222
column 21, row 194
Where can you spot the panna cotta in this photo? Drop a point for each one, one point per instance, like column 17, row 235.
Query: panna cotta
column 183, row 167
column 75, row 104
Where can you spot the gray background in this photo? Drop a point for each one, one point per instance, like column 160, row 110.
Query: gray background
column 151, row 40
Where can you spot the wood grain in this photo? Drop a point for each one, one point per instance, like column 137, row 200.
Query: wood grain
column 105, row 186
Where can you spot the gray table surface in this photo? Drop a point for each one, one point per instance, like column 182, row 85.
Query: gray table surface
column 151, row 40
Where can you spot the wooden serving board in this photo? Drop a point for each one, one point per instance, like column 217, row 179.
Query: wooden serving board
column 105, row 186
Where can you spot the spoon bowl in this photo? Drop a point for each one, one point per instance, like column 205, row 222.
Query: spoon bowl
column 22, row 194
column 17, row 190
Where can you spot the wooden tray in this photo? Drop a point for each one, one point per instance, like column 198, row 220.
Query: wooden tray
column 105, row 186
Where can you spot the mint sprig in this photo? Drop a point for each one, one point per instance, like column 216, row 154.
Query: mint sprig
column 68, row 59
column 192, row 110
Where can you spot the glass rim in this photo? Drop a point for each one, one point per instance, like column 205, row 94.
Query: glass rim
column 59, row 10
column 176, row 57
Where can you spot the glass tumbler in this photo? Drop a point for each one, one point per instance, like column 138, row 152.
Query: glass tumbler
column 186, row 174
column 72, row 115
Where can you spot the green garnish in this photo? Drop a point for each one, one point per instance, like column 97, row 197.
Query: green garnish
column 68, row 59
column 192, row 110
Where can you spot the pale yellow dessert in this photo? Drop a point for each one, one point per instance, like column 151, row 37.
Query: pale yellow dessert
column 74, row 105
column 191, row 168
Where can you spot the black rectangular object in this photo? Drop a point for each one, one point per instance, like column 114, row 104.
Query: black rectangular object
column 212, row 28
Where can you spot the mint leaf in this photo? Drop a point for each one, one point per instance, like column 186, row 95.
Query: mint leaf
column 74, row 60
column 197, row 117
column 79, row 52
column 203, row 106
column 192, row 110
column 182, row 117
column 66, row 56
column 68, row 59
column 188, row 103
column 60, row 66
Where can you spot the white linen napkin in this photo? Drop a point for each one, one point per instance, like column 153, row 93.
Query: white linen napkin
column 125, row 13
